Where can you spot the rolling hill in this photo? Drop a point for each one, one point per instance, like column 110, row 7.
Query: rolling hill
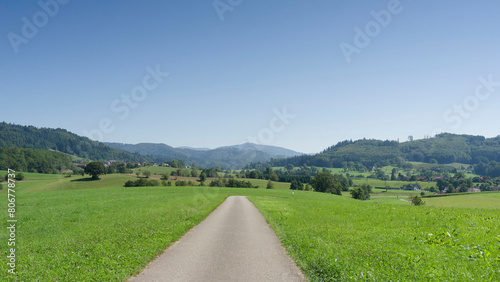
column 60, row 140
column 226, row 157
column 444, row 148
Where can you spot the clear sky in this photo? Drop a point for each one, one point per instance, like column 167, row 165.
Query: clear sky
column 297, row 74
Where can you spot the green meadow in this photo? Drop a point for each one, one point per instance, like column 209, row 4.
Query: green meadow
column 486, row 200
column 72, row 229
column 337, row 238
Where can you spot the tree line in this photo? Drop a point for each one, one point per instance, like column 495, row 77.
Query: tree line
column 61, row 140
column 34, row 160
column 445, row 148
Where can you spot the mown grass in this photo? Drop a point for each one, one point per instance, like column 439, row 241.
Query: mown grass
column 477, row 200
column 99, row 231
column 337, row 238
column 395, row 184
column 100, row 234
column 72, row 229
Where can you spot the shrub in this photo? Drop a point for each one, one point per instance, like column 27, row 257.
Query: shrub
column 416, row 201
column 296, row 185
column 232, row 183
column 19, row 176
column 141, row 183
column 180, row 183
column 361, row 193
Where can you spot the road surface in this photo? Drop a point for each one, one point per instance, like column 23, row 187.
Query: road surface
column 234, row 243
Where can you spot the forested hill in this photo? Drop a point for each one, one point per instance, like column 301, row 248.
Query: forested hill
column 225, row 157
column 444, row 148
column 61, row 140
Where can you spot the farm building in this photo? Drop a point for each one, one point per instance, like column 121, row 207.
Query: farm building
column 413, row 187
column 473, row 190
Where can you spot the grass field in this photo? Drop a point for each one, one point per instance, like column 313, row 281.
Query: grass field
column 159, row 170
column 388, row 169
column 97, row 230
column 395, row 184
column 337, row 238
column 477, row 200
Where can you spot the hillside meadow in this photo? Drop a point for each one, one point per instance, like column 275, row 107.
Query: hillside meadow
column 74, row 229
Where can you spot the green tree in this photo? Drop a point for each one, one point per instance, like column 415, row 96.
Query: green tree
column 459, row 175
column 146, row 173
column 361, row 193
column 19, row 176
column 325, row 182
column 289, row 167
column 416, row 201
column 164, row 176
column 194, row 173
column 380, row 174
column 78, row 171
column 95, row 169
column 463, row 187
column 296, row 185
column 203, row 177
column 253, row 174
column 268, row 171
column 273, row 177
column 270, row 185
column 393, row 174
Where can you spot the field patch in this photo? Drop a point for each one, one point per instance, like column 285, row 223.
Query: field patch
column 484, row 200
column 337, row 238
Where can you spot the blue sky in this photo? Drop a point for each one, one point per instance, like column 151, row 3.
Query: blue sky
column 232, row 73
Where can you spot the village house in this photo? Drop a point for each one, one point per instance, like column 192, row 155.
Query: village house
column 473, row 190
column 412, row 187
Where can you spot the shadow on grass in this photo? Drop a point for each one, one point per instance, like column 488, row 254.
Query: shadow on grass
column 85, row 179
